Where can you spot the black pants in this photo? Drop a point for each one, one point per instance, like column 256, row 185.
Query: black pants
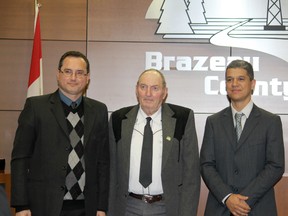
column 73, row 208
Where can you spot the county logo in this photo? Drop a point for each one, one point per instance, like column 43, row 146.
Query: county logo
column 253, row 24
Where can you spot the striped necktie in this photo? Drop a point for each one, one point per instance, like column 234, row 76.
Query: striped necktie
column 238, row 117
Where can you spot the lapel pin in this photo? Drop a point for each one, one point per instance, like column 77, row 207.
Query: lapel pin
column 168, row 138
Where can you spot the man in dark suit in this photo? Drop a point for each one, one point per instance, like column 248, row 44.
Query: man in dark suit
column 175, row 185
column 60, row 158
column 240, row 171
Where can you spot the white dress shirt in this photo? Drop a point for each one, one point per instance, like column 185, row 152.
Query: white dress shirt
column 135, row 154
column 246, row 111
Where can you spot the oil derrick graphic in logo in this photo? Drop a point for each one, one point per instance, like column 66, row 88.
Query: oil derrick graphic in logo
column 252, row 24
column 274, row 16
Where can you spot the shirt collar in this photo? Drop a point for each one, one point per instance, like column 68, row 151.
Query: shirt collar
column 67, row 100
column 246, row 110
column 156, row 117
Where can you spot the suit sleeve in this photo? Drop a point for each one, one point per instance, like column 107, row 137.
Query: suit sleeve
column 209, row 172
column 113, row 180
column 274, row 163
column 103, row 164
column 22, row 151
column 191, row 170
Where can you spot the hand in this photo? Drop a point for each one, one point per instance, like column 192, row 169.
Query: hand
column 24, row 213
column 100, row 213
column 237, row 205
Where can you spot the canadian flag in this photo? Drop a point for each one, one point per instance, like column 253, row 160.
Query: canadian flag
column 35, row 83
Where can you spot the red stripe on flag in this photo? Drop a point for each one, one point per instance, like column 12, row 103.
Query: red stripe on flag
column 36, row 53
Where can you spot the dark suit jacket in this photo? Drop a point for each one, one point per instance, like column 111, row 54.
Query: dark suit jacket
column 180, row 160
column 40, row 156
column 251, row 168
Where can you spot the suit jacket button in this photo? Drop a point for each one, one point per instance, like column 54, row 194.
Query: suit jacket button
column 63, row 187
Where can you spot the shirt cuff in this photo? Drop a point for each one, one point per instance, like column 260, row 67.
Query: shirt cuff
column 225, row 198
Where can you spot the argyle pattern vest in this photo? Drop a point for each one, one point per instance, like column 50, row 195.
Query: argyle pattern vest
column 75, row 178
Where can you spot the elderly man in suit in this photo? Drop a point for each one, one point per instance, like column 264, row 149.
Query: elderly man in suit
column 60, row 158
column 242, row 158
column 174, row 185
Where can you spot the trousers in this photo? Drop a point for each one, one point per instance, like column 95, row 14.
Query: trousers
column 136, row 207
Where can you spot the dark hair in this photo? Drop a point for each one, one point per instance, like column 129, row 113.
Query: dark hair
column 242, row 64
column 76, row 54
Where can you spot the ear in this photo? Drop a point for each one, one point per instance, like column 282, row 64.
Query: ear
column 57, row 75
column 165, row 93
column 88, row 78
column 253, row 84
column 136, row 92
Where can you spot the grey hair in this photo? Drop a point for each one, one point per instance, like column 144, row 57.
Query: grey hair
column 157, row 71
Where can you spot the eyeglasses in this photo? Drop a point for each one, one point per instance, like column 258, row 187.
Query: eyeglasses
column 78, row 73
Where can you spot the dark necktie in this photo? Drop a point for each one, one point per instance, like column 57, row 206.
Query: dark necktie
column 238, row 117
column 145, row 177
column 73, row 105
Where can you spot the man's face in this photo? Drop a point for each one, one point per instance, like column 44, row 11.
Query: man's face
column 73, row 86
column 150, row 92
column 238, row 85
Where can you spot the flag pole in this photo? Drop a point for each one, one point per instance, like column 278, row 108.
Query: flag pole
column 35, row 83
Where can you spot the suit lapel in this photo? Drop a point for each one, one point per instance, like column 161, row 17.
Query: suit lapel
column 249, row 126
column 227, row 124
column 89, row 119
column 127, row 131
column 57, row 110
column 168, row 128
